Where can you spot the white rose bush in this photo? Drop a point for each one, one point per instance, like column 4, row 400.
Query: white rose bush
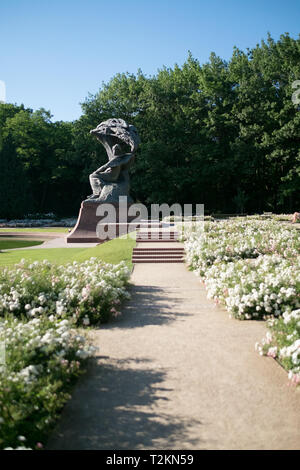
column 252, row 267
column 283, row 342
column 43, row 357
column 43, row 310
column 90, row 290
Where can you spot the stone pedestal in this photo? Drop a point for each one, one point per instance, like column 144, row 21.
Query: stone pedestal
column 90, row 229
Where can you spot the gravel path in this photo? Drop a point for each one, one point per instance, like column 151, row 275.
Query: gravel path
column 175, row 372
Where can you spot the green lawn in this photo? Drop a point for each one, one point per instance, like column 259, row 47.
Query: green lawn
column 6, row 244
column 37, row 229
column 113, row 251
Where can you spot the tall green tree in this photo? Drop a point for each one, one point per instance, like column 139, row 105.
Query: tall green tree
column 15, row 195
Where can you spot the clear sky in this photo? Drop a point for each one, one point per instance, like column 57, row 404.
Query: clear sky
column 54, row 52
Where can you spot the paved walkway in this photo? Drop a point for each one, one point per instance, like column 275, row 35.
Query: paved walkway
column 174, row 372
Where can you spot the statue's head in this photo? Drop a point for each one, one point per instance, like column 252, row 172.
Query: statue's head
column 117, row 136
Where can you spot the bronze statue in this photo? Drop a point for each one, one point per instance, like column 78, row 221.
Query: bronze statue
column 112, row 179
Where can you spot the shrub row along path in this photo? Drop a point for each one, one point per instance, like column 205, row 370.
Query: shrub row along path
column 175, row 372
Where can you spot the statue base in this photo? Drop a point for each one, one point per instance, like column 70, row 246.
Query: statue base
column 97, row 223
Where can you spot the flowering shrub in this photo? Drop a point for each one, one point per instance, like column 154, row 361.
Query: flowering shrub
column 283, row 342
column 267, row 285
column 236, row 239
column 283, row 217
column 252, row 267
column 43, row 357
column 90, row 292
column 40, row 305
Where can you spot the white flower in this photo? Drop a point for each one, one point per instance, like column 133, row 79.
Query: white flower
column 82, row 354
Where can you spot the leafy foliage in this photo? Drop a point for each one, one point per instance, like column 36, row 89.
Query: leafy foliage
column 225, row 134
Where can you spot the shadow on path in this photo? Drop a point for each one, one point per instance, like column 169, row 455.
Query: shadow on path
column 114, row 407
column 148, row 306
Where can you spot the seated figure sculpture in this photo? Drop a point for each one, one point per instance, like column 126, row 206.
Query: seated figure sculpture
column 111, row 180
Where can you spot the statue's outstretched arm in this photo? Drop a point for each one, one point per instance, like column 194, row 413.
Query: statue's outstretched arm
column 111, row 174
column 115, row 162
column 102, row 168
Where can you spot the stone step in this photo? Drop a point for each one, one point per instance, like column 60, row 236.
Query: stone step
column 158, row 252
column 171, row 248
column 159, row 256
column 155, row 260
column 142, row 226
column 156, row 235
column 159, row 240
column 156, row 238
column 166, row 233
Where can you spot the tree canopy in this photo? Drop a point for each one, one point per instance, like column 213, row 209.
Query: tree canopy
column 225, row 134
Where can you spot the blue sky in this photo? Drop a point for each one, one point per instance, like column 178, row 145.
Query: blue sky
column 54, row 52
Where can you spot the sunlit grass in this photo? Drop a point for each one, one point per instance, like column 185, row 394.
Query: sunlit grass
column 113, row 251
column 6, row 244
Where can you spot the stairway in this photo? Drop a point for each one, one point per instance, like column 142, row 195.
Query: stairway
column 157, row 255
column 152, row 236
column 147, row 253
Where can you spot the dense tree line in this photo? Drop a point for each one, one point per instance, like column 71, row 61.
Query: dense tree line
column 225, row 134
